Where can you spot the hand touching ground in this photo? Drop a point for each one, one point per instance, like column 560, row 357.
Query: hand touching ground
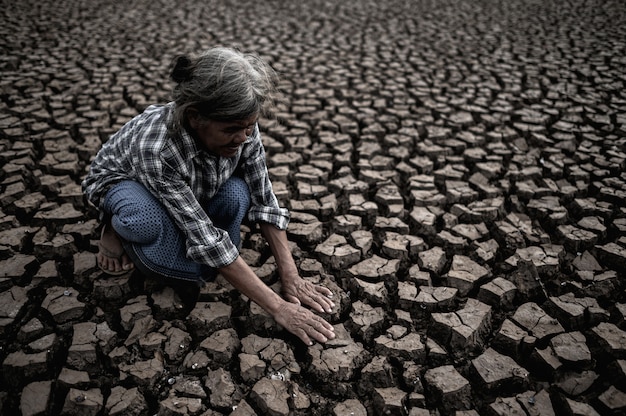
column 303, row 323
column 302, row 292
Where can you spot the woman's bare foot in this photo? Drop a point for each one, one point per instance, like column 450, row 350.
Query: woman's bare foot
column 111, row 257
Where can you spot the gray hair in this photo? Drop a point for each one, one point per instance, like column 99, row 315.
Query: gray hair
column 221, row 84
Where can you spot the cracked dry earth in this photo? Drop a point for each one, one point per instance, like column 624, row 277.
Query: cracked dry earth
column 455, row 172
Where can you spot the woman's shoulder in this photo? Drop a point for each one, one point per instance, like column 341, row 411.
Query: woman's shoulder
column 152, row 122
column 157, row 112
column 159, row 108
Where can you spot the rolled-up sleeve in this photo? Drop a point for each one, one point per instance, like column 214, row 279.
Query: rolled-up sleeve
column 264, row 204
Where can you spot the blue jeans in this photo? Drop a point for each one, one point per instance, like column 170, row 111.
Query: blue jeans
column 152, row 240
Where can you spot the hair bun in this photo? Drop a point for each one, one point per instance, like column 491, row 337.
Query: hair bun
column 182, row 69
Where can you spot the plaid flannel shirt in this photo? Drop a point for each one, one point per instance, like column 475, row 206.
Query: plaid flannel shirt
column 183, row 177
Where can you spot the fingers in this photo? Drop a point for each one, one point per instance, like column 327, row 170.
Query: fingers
column 324, row 291
column 301, row 333
column 319, row 298
column 305, row 324
column 326, row 304
column 320, row 330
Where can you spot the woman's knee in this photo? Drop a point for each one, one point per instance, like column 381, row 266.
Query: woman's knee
column 237, row 190
column 233, row 197
column 135, row 214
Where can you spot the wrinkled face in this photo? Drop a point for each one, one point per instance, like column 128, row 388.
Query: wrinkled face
column 222, row 138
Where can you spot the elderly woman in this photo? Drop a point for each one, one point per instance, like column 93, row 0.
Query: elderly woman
column 174, row 184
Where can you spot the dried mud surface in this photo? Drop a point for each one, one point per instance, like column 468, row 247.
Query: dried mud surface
column 455, row 173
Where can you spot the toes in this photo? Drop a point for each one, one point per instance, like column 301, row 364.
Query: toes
column 127, row 264
column 108, row 264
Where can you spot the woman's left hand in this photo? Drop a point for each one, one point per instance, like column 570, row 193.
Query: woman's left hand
column 302, row 292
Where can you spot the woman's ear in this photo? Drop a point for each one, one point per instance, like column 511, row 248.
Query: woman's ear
column 193, row 118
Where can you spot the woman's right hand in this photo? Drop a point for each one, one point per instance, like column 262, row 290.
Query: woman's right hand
column 294, row 318
column 303, row 323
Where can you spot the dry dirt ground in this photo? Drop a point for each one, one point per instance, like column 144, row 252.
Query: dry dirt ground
column 455, row 172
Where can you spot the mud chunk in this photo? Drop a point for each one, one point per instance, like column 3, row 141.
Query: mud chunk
column 31, row 330
column 423, row 221
column 339, row 360
column 611, row 339
column 145, row 373
column 465, row 274
column 17, row 266
column 377, row 373
column 545, row 258
column 208, row 317
column 82, row 354
column 224, row 393
column 405, row 347
column 309, row 233
column 350, row 407
column 124, row 401
column 449, row 389
column 498, row 293
column 495, row 371
column 113, row 289
column 366, row 320
column 536, row 403
column 402, row 247
column 35, row 398
column 433, row 260
column 271, row 397
column 73, row 378
column 613, row 400
column 436, row 298
column 575, row 383
column 576, row 408
column 12, row 303
column 536, row 321
column 63, row 304
column 371, row 277
column 242, row 409
column 503, row 406
column 464, row 330
column 389, row 400
column 336, row 253
column 83, row 402
column 166, row 302
column 511, row 339
column 577, row 239
column 576, row 312
column 221, row 345
column 613, row 255
column 59, row 216
column 134, row 310
column 175, row 405
column 251, row 367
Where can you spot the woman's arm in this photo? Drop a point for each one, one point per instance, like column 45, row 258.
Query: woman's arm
column 294, row 287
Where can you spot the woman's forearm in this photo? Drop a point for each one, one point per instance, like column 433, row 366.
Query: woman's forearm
column 243, row 278
column 277, row 240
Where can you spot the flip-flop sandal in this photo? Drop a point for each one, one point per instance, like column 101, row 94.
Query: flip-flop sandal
column 108, row 253
column 111, row 272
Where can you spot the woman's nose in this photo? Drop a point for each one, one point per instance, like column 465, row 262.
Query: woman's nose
column 243, row 136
